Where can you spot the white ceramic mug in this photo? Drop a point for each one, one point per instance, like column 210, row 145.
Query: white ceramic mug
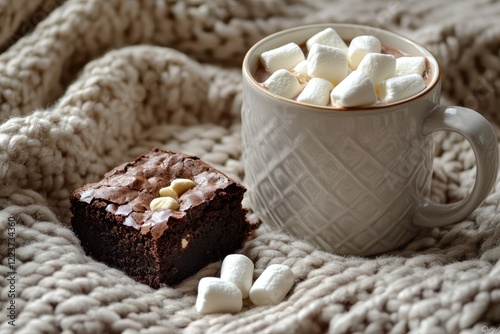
column 358, row 181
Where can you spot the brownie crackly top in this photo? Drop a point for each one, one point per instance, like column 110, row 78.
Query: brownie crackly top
column 128, row 189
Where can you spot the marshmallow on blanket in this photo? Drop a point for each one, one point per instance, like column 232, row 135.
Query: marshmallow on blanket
column 327, row 62
column 410, row 65
column 238, row 269
column 283, row 83
column 272, row 285
column 378, row 67
column 360, row 46
column 317, row 91
column 327, row 37
column 284, row 57
column 401, row 87
column 354, row 91
column 218, row 296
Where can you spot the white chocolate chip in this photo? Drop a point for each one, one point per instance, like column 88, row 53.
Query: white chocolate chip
column 184, row 243
column 163, row 203
column 168, row 192
column 180, row 186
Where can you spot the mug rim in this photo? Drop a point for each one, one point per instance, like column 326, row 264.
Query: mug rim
column 436, row 78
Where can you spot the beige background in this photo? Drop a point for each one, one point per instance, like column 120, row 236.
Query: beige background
column 86, row 85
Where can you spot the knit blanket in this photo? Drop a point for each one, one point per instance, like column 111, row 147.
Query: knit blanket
column 87, row 85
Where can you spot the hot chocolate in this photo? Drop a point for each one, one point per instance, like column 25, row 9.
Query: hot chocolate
column 346, row 73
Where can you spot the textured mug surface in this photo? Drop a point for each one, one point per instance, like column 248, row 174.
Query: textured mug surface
column 357, row 181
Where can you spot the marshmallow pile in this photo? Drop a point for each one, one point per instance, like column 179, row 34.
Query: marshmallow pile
column 344, row 76
column 226, row 294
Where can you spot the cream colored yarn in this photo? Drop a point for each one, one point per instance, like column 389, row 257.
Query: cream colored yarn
column 87, row 85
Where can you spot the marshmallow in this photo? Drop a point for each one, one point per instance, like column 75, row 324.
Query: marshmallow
column 354, row 91
column 399, row 88
column 317, row 91
column 360, row 46
column 301, row 69
column 284, row 57
column 238, row 269
column 327, row 62
column 283, row 83
column 410, row 65
column 218, row 296
column 327, row 37
column 378, row 67
column 272, row 285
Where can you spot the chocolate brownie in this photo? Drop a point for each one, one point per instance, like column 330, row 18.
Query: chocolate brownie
column 115, row 224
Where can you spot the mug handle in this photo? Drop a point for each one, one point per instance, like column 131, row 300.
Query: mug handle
column 482, row 138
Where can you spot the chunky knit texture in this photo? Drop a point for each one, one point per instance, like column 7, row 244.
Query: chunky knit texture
column 87, row 85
